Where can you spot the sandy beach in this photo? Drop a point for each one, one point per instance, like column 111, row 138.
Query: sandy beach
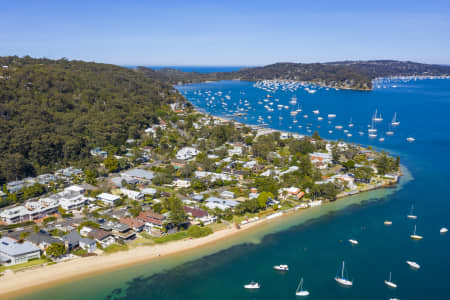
column 14, row 284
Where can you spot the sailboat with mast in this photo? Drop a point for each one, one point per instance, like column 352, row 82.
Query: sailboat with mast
column 341, row 279
column 415, row 236
column 411, row 214
column 300, row 291
column 389, row 282
column 376, row 117
column 394, row 120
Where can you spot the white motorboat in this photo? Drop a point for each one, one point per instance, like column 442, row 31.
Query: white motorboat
column 413, row 264
column 381, row 139
column 281, row 268
column 300, row 291
column 443, row 230
column 387, row 223
column 353, row 242
column 331, row 116
column 316, row 112
column 252, row 285
column 415, row 236
column 341, row 279
column 389, row 133
column 389, row 282
column 410, row 139
column 411, row 214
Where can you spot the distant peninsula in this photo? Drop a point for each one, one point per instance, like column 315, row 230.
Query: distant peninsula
column 351, row 75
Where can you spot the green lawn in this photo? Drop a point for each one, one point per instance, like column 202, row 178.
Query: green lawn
column 31, row 263
column 171, row 237
column 115, row 248
column 217, row 226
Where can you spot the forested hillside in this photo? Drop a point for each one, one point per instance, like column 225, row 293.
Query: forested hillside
column 53, row 112
column 354, row 75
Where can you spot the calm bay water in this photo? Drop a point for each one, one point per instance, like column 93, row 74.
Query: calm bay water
column 315, row 246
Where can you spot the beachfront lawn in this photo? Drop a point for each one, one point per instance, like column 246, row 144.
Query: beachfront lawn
column 217, row 226
column 171, row 237
column 28, row 264
column 115, row 248
column 141, row 242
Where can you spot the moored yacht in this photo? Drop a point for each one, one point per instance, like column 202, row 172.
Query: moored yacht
column 394, row 120
column 410, row 139
column 411, row 214
column 341, row 279
column 281, row 268
column 252, row 285
column 353, row 242
column 389, row 282
column 443, row 230
column 415, row 236
column 413, row 264
column 300, row 291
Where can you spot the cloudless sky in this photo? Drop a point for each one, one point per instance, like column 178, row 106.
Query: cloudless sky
column 229, row 32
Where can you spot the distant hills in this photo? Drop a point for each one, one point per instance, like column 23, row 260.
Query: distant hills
column 354, row 75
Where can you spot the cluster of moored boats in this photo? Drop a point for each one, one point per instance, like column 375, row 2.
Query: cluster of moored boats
column 344, row 280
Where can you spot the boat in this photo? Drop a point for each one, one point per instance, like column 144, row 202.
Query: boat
column 316, row 112
column 410, row 139
column 338, row 127
column 331, row 116
column 372, row 135
column 394, row 120
column 415, row 236
column 351, row 123
column 381, row 139
column 353, row 242
column 252, row 285
column 413, row 264
column 281, row 268
column 389, row 132
column 411, row 214
column 341, row 279
column 389, row 282
column 319, row 118
column 387, row 223
column 377, row 118
column 443, row 230
column 300, row 291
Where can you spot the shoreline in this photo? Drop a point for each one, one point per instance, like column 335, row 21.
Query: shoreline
column 40, row 278
column 43, row 277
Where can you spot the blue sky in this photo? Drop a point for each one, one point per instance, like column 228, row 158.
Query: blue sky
column 226, row 32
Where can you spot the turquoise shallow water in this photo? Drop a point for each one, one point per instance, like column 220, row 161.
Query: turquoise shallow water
column 314, row 246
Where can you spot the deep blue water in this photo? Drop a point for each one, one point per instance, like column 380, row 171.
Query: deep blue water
column 316, row 249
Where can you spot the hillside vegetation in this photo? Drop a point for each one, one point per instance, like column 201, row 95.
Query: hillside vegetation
column 354, row 75
column 53, row 112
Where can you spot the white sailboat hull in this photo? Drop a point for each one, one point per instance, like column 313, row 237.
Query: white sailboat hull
column 390, row 284
column 343, row 281
column 413, row 264
column 302, row 293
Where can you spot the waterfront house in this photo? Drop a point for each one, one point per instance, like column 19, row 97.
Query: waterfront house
column 42, row 239
column 120, row 231
column 222, row 204
column 88, row 245
column 152, row 219
column 72, row 240
column 198, row 215
column 12, row 252
column 104, row 238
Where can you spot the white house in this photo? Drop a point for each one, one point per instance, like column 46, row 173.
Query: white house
column 88, row 245
column 135, row 195
column 180, row 183
column 12, row 252
column 227, row 195
column 235, row 151
column 107, row 198
column 187, row 153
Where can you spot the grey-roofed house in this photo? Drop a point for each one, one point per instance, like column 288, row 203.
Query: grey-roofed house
column 119, row 230
column 139, row 174
column 13, row 252
column 42, row 239
column 72, row 240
